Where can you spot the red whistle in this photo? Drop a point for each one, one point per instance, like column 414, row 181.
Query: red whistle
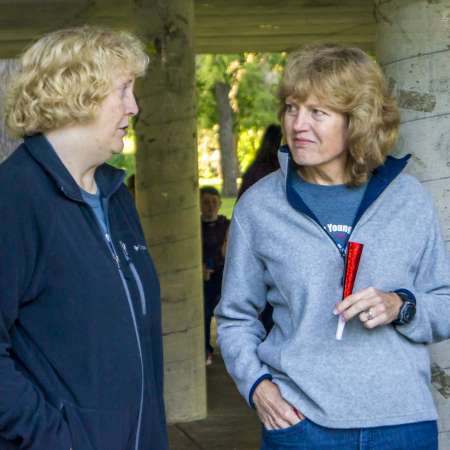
column 354, row 251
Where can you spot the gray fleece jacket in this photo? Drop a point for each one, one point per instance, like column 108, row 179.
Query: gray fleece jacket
column 278, row 253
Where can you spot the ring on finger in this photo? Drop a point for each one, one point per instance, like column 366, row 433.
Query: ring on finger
column 370, row 315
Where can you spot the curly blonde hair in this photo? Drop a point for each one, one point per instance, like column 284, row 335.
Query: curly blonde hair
column 64, row 77
column 350, row 82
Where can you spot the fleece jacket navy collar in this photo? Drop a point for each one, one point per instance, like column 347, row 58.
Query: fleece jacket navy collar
column 381, row 177
column 108, row 178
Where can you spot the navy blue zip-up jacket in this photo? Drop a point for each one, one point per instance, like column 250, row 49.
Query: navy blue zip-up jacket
column 80, row 321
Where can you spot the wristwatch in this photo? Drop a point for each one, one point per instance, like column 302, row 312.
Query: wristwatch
column 408, row 308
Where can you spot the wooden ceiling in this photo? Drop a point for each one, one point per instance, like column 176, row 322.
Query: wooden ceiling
column 220, row 26
column 223, row 26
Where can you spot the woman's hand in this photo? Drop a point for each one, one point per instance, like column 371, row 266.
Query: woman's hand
column 372, row 306
column 273, row 411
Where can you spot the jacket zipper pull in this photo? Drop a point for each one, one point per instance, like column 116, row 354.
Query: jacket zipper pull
column 124, row 250
column 113, row 252
column 343, row 252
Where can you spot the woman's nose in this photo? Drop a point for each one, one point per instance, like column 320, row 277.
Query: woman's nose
column 132, row 108
column 301, row 121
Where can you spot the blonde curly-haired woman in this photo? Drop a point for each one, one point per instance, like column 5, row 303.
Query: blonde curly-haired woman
column 80, row 328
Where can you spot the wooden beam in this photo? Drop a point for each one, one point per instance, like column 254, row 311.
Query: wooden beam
column 220, row 25
column 277, row 7
column 236, row 44
column 280, row 21
column 287, row 30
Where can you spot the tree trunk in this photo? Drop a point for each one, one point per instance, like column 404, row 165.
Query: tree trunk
column 7, row 144
column 412, row 46
column 167, row 196
column 227, row 142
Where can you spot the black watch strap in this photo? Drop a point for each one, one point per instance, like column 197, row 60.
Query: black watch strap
column 408, row 309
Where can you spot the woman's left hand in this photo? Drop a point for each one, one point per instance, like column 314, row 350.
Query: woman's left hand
column 372, row 306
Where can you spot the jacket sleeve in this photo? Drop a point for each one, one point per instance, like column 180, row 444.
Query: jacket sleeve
column 26, row 419
column 239, row 330
column 431, row 289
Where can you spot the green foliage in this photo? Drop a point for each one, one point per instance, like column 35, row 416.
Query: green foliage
column 249, row 140
column 211, row 69
column 206, row 75
column 208, row 155
column 125, row 161
column 257, row 90
column 227, row 206
column 253, row 79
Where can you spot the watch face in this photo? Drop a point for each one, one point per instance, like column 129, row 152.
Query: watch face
column 408, row 313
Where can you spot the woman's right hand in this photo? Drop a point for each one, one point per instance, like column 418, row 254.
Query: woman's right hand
column 273, row 410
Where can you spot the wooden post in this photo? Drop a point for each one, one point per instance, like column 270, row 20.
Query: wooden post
column 412, row 47
column 167, row 195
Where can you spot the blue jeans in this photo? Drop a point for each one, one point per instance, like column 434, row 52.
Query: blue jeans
column 307, row 435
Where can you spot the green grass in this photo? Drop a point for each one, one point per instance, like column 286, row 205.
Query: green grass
column 227, row 206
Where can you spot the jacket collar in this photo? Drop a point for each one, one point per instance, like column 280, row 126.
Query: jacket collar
column 381, row 177
column 107, row 177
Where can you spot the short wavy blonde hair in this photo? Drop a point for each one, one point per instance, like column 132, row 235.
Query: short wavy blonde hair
column 64, row 77
column 350, row 82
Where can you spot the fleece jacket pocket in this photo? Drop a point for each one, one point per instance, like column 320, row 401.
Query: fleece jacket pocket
column 94, row 429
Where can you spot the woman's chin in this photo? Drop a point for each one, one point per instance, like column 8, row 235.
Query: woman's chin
column 117, row 150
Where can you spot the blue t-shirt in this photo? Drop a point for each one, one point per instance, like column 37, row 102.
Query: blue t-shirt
column 334, row 206
column 94, row 201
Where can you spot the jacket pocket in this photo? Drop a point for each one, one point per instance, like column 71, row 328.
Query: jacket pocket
column 94, row 429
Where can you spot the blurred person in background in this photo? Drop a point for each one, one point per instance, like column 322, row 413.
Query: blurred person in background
column 214, row 236
column 266, row 159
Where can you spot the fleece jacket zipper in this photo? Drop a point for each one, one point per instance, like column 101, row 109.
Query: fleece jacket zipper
column 136, row 330
column 136, row 277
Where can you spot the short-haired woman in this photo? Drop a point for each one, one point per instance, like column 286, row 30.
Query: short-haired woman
column 80, row 328
column 287, row 247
